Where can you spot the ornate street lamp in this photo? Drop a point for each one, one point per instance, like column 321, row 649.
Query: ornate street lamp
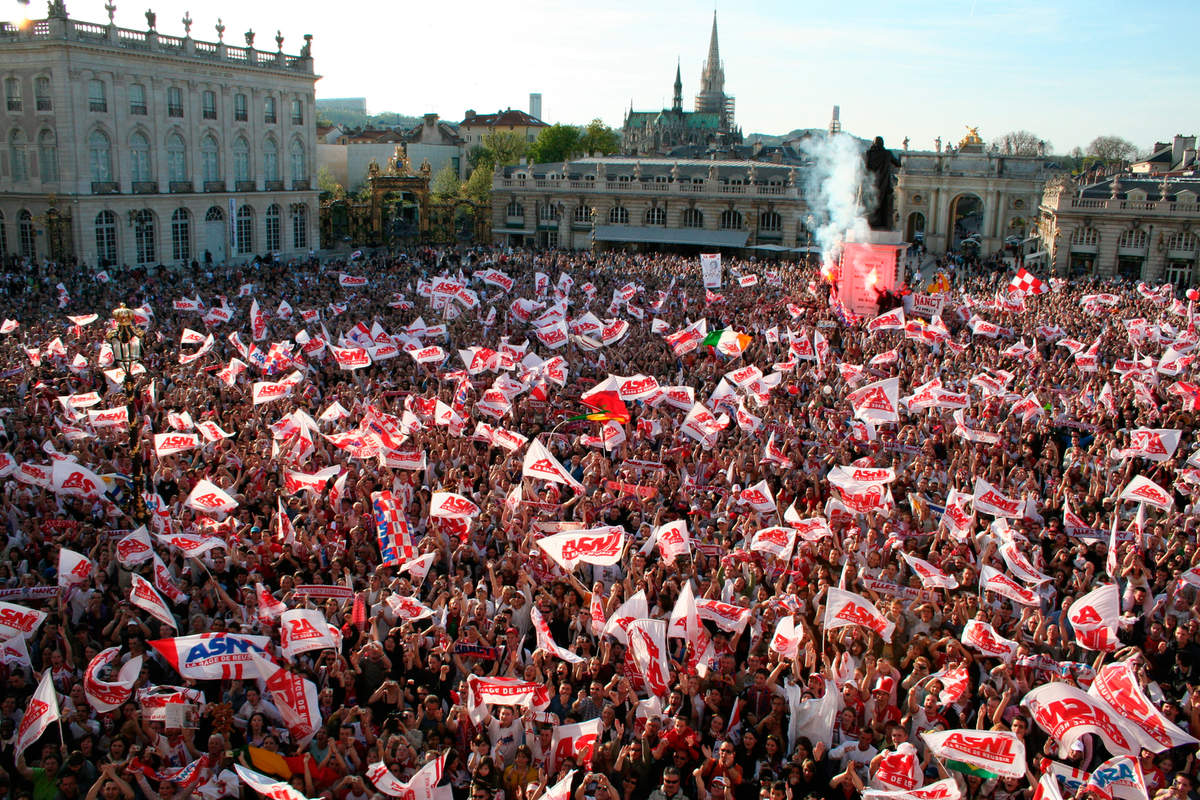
column 126, row 343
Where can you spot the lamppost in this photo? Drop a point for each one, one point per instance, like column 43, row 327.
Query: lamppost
column 126, row 342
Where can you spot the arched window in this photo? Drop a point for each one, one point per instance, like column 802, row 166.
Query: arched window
column 299, row 226
column 582, row 214
column 731, row 220
column 656, row 215
column 241, row 160
column 515, row 209
column 273, row 213
column 139, row 157
column 48, row 156
column 25, row 234
column 299, row 162
column 693, row 218
column 210, row 159
column 144, row 237
column 1135, row 239
column 181, row 235
column 177, row 168
column 270, row 161
column 618, row 215
column 106, row 238
column 244, row 232
column 770, row 221
column 1085, row 236
column 548, row 212
column 214, row 214
column 100, row 157
column 18, row 166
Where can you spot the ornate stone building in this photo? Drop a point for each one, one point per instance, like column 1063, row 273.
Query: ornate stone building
column 970, row 193
column 136, row 147
column 711, row 123
column 1135, row 226
column 626, row 202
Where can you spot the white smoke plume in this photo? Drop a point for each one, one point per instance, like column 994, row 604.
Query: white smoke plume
column 835, row 193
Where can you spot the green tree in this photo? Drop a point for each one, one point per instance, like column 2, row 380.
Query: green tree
column 479, row 186
column 599, row 140
column 555, row 144
column 1111, row 149
column 328, row 185
column 501, row 147
column 445, row 183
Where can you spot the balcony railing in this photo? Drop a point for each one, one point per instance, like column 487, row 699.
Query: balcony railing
column 273, row 186
column 145, row 187
column 244, row 186
column 645, row 187
column 1165, row 207
column 181, row 187
column 214, row 186
column 301, row 185
column 106, row 187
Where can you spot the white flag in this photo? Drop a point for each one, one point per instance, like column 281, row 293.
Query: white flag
column 41, row 710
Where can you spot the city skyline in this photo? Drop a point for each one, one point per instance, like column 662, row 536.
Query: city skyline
column 1064, row 71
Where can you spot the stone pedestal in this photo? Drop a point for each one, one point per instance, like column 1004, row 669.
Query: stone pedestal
column 870, row 265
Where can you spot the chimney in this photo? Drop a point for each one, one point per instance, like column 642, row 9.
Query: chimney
column 430, row 120
column 470, row 113
column 535, row 105
column 1178, row 145
column 835, row 124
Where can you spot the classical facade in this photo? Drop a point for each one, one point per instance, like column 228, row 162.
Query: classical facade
column 133, row 147
column 648, row 133
column 627, row 202
column 951, row 196
column 1131, row 225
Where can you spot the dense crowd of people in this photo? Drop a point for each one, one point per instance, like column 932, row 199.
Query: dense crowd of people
column 749, row 504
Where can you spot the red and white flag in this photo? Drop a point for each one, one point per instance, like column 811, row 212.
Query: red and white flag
column 877, row 402
column 40, row 711
column 993, row 580
column 166, row 444
column 1153, row 444
column 576, row 742
column 1144, row 490
column 104, row 695
column 135, row 548
column 945, row 789
column 787, row 637
column 1093, row 617
column 775, row 540
column 1027, row 283
column 73, row 568
column 295, row 697
column 143, row 595
column 1119, row 777
column 758, row 497
column 545, row 640
column 928, row 573
column 267, row 786
column 673, row 540
column 890, row 321
column 990, row 500
column 451, row 505
column 540, row 463
column 999, row 752
column 602, row 546
column 844, row 608
column 1117, row 684
column 482, row 692
column 302, row 630
column 1066, row 713
column 209, row 498
column 984, row 638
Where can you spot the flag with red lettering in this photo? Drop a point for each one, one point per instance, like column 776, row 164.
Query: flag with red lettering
column 266, row 786
column 73, row 568
column 844, row 608
column 576, row 742
column 40, row 711
column 759, row 497
column 545, row 640
column 877, row 402
column 143, row 595
column 990, row 500
column 928, row 573
column 601, row 546
column 996, row 752
column 993, row 580
column 633, row 608
column 72, row 478
column 104, row 695
column 898, row 769
column 295, row 697
column 540, row 463
column 775, row 540
column 302, row 630
column 451, row 505
column 984, row 638
column 209, row 498
column 787, row 637
column 648, row 642
column 945, row 789
column 672, row 540
column 1144, row 490
column 1066, row 713
column 1117, row 684
column 890, row 321
column 484, row 691
column 1093, row 617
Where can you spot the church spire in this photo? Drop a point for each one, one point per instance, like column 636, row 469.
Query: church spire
column 712, row 98
column 677, row 103
column 714, row 53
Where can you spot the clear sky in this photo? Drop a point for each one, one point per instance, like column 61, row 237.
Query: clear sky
column 1068, row 70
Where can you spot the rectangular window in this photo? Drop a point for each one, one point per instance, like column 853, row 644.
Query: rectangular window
column 297, row 112
column 12, row 94
column 174, row 101
column 97, row 97
column 299, row 228
column 181, row 240
column 137, row 99
column 269, row 111
column 209, row 105
column 239, row 108
column 41, row 94
column 273, row 231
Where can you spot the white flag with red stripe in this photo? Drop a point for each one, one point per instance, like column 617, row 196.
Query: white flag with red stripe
column 1093, row 617
column 143, row 595
column 40, row 711
column 844, row 608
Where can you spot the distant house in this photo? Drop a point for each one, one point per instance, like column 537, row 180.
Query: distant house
column 475, row 126
column 1173, row 156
